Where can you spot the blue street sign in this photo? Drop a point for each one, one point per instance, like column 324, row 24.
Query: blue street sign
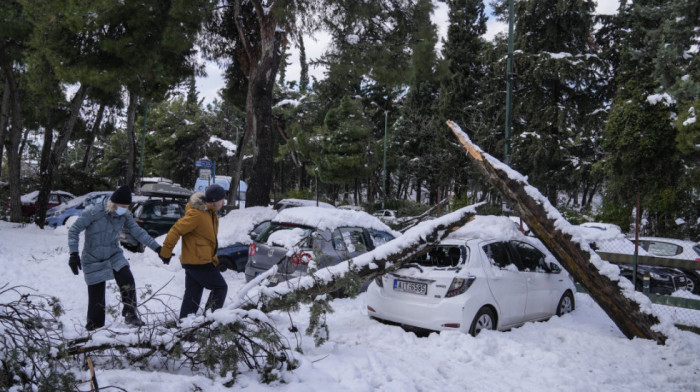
column 204, row 163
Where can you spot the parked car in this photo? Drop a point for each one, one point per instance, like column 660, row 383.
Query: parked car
column 58, row 215
column 304, row 237
column 486, row 275
column 609, row 238
column 29, row 200
column 676, row 249
column 156, row 214
column 235, row 256
column 385, row 214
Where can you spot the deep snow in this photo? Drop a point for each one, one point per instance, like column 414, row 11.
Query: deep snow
column 582, row 351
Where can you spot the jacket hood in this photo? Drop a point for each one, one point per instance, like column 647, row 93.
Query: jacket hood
column 197, row 201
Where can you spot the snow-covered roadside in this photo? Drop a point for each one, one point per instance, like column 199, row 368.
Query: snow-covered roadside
column 582, row 351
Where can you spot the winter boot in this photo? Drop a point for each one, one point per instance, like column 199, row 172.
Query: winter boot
column 133, row 320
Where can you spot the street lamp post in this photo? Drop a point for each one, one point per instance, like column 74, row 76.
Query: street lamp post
column 509, row 80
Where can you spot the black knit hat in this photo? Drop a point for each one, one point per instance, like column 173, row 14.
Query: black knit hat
column 214, row 193
column 122, row 195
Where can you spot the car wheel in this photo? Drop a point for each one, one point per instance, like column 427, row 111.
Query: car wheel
column 693, row 281
column 225, row 260
column 566, row 304
column 484, row 319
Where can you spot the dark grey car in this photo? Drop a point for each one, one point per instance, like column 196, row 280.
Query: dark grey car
column 312, row 237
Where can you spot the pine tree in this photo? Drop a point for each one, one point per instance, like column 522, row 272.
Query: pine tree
column 347, row 148
column 656, row 78
column 555, row 105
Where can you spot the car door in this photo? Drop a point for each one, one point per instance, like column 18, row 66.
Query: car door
column 541, row 283
column 507, row 283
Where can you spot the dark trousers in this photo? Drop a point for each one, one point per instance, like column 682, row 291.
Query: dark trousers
column 196, row 280
column 96, row 298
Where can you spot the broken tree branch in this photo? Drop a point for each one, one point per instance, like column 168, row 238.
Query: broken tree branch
column 616, row 297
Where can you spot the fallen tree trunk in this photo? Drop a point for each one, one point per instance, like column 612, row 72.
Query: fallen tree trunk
column 384, row 259
column 612, row 294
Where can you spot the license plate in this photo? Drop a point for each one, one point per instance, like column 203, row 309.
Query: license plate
column 410, row 287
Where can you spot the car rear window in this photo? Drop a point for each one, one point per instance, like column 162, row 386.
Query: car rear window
column 275, row 227
column 443, row 256
column 351, row 239
column 379, row 237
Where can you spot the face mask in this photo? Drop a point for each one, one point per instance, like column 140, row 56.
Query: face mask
column 120, row 210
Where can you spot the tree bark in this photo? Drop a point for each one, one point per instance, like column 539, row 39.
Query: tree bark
column 13, row 138
column 46, row 182
column 264, row 61
column 131, row 139
column 4, row 115
column 537, row 212
column 91, row 138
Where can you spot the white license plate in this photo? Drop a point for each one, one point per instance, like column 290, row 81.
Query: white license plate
column 410, row 287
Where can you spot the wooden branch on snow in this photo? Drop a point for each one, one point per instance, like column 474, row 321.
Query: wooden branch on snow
column 546, row 222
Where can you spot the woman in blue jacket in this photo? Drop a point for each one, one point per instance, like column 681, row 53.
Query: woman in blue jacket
column 103, row 259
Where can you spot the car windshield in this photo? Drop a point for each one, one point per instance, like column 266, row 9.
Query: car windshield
column 443, row 256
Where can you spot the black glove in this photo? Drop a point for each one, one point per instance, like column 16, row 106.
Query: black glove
column 74, row 263
column 166, row 260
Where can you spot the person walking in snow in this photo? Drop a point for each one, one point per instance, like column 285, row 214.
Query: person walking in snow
column 198, row 229
column 103, row 259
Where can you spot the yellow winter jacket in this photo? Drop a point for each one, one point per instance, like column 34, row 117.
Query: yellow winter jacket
column 198, row 229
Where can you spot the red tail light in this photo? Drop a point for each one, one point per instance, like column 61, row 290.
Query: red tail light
column 302, row 258
column 379, row 281
column 459, row 286
column 139, row 222
column 253, row 250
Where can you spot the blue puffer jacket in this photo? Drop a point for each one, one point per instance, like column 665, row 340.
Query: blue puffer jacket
column 102, row 254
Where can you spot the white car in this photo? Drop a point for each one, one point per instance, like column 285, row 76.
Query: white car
column 676, row 249
column 486, row 275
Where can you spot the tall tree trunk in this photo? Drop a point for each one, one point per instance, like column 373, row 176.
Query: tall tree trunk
column 131, row 139
column 4, row 115
column 59, row 147
column 91, row 137
column 13, row 139
column 264, row 60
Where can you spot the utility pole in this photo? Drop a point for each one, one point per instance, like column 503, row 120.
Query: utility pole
column 509, row 80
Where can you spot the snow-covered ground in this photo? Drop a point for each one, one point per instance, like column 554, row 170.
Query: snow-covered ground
column 582, row 351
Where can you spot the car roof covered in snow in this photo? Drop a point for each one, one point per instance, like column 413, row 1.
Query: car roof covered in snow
column 488, row 227
column 31, row 197
column 330, row 219
column 286, row 203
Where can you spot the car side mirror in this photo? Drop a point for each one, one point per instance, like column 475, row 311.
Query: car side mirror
column 253, row 235
column 554, row 268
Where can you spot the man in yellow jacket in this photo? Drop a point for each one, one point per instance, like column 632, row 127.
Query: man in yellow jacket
column 198, row 229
